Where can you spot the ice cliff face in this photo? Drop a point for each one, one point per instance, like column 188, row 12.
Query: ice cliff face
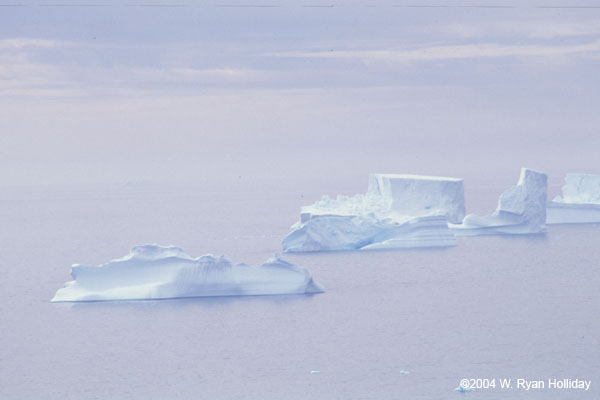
column 157, row 272
column 580, row 189
column 420, row 195
column 398, row 211
column 521, row 210
column 580, row 201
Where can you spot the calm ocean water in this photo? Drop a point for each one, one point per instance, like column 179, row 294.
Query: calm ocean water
column 493, row 307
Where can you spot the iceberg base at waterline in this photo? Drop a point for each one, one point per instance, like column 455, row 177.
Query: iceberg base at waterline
column 521, row 210
column 565, row 213
column 337, row 232
column 580, row 201
column 164, row 272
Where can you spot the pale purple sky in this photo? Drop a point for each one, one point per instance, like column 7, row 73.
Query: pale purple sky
column 123, row 92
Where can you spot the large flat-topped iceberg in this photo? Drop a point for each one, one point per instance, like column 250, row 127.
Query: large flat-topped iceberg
column 521, row 210
column 158, row 272
column 398, row 211
column 580, row 201
column 419, row 195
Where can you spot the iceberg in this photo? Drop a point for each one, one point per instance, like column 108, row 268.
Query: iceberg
column 521, row 210
column 580, row 201
column 420, row 195
column 165, row 272
column 398, row 211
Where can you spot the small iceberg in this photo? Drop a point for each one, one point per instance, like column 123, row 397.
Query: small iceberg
column 398, row 211
column 580, row 201
column 165, row 272
column 463, row 389
column 521, row 210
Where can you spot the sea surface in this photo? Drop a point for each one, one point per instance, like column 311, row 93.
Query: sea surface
column 406, row 324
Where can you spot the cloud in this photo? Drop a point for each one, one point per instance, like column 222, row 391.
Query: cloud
column 531, row 29
column 196, row 75
column 556, row 30
column 29, row 65
column 21, row 43
column 19, row 68
column 450, row 52
column 47, row 66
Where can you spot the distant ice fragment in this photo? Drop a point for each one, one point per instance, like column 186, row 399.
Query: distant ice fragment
column 580, row 201
column 463, row 389
column 521, row 210
column 163, row 272
column 398, row 211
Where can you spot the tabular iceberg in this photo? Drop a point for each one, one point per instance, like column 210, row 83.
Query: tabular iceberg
column 580, row 202
column 420, row 195
column 159, row 272
column 521, row 210
column 398, row 211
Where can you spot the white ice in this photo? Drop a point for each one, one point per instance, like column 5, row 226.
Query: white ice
column 159, row 272
column 398, row 211
column 521, row 210
column 416, row 195
column 580, row 201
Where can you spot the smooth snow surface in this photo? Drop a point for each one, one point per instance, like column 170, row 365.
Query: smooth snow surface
column 521, row 210
column 159, row 272
column 398, row 211
column 580, row 201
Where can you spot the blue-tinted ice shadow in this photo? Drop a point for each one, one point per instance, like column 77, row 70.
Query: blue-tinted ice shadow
column 529, row 237
column 367, row 251
column 181, row 302
column 573, row 225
